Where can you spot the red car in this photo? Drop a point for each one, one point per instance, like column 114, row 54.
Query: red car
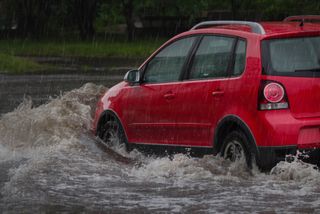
column 241, row 89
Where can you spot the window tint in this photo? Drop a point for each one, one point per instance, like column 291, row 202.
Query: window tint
column 167, row 65
column 212, row 57
column 292, row 56
column 240, row 58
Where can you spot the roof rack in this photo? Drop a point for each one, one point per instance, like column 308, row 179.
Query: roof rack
column 304, row 18
column 255, row 27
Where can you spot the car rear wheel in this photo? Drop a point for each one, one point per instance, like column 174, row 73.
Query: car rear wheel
column 235, row 147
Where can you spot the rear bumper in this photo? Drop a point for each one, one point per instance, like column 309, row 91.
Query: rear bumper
column 268, row 157
column 279, row 134
column 280, row 129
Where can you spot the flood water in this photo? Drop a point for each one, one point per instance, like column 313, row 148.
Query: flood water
column 49, row 162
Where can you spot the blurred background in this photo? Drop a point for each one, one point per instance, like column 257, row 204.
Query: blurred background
column 48, row 159
column 133, row 19
column 100, row 29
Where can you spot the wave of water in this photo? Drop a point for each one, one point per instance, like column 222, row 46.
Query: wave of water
column 49, row 162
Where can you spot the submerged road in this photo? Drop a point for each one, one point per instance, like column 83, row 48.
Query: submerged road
column 50, row 163
column 14, row 88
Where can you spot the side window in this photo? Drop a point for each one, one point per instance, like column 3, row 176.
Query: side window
column 212, row 57
column 240, row 58
column 167, row 65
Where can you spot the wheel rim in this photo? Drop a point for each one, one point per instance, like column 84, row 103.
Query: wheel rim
column 111, row 135
column 234, row 151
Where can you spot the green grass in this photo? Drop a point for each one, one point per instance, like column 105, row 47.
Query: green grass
column 137, row 49
column 16, row 65
column 11, row 52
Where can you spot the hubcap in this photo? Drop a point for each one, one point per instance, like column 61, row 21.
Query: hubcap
column 234, row 151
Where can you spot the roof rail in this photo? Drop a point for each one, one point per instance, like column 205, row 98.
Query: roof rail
column 302, row 18
column 255, row 27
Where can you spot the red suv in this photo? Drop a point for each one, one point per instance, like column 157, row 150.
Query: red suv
column 241, row 89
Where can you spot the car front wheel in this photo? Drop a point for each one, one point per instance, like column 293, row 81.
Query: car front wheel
column 111, row 131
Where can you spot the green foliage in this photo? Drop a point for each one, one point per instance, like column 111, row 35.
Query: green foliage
column 12, row 64
column 109, row 14
column 15, row 65
column 278, row 9
column 190, row 8
column 137, row 49
column 47, row 18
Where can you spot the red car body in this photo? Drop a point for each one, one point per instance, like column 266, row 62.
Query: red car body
column 200, row 112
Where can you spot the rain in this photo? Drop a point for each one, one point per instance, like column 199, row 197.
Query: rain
column 58, row 58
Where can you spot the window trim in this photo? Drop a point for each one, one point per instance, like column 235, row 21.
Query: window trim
column 232, row 60
column 231, row 72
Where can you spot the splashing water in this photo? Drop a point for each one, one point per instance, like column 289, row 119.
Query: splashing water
column 50, row 163
column 61, row 118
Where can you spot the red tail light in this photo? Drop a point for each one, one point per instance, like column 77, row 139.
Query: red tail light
column 273, row 92
column 272, row 96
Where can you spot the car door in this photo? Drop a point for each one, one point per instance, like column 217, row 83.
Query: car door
column 205, row 91
column 152, row 105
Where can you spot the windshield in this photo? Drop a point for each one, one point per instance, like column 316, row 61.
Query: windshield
column 292, row 56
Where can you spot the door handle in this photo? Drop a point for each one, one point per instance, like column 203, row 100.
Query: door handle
column 217, row 93
column 169, row 96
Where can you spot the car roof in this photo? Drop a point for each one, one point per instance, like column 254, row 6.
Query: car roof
column 267, row 29
column 272, row 28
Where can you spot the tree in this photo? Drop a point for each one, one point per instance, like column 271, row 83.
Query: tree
column 35, row 18
column 31, row 16
column 121, row 11
column 38, row 18
column 189, row 8
column 128, row 9
column 85, row 12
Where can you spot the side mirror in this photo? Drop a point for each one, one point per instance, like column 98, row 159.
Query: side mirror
column 132, row 76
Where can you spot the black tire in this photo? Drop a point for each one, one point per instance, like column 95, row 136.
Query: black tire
column 111, row 131
column 236, row 146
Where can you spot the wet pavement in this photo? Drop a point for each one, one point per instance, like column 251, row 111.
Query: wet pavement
column 49, row 163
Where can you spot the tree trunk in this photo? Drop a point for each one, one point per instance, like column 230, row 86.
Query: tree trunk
column 235, row 7
column 32, row 17
column 128, row 14
column 85, row 13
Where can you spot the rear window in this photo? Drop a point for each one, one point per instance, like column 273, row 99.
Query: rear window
column 292, row 56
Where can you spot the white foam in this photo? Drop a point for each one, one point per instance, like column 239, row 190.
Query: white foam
column 48, row 124
column 296, row 171
column 52, row 155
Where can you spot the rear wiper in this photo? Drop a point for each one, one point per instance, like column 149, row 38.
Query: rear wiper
column 308, row 70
